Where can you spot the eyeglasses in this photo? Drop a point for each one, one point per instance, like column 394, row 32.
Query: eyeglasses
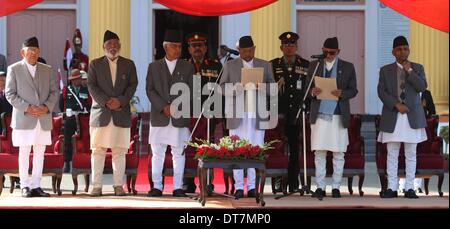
column 332, row 53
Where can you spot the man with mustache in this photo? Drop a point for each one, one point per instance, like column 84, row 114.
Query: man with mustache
column 112, row 82
column 402, row 118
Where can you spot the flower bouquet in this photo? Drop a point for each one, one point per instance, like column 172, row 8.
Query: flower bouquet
column 231, row 148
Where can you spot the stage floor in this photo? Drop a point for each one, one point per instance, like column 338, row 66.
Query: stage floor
column 370, row 199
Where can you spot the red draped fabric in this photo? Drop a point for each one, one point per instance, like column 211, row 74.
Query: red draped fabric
column 433, row 13
column 12, row 6
column 214, row 7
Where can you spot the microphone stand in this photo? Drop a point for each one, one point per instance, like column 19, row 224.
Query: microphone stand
column 304, row 188
column 227, row 56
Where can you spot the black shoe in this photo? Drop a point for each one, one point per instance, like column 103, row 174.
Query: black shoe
column 239, row 193
column 389, row 194
column 17, row 181
column 26, row 192
column 319, row 193
column 179, row 193
column 293, row 187
column 411, row 194
column 37, row 192
column 335, row 193
column 189, row 188
column 66, row 167
column 154, row 192
column 420, row 190
column 251, row 193
column 279, row 189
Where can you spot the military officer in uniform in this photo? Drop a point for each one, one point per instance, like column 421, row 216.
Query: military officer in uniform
column 79, row 59
column 208, row 70
column 290, row 72
column 76, row 100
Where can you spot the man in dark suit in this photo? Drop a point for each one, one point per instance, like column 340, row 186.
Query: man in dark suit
column 112, row 82
column 167, row 125
column 330, row 118
column 402, row 118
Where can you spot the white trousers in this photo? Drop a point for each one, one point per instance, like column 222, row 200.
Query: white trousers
column 159, row 153
column 238, row 175
column 417, row 183
column 392, row 164
column 98, row 163
column 24, row 165
column 320, row 161
column 247, row 130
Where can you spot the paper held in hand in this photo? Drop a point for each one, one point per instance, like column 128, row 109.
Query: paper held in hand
column 252, row 75
column 327, row 85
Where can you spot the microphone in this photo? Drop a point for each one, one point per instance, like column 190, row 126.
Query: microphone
column 320, row 56
column 232, row 51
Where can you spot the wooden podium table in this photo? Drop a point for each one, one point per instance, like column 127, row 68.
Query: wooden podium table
column 259, row 165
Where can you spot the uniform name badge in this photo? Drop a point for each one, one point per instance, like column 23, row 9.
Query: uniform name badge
column 299, row 84
column 83, row 96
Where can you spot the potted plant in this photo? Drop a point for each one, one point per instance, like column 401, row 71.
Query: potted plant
column 231, row 148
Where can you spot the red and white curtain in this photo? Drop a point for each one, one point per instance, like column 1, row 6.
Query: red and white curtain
column 12, row 6
column 433, row 13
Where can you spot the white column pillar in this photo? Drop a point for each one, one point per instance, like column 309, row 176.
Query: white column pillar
column 141, row 45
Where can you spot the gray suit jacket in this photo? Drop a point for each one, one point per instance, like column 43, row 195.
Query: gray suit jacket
column 21, row 92
column 159, row 82
column 346, row 81
column 101, row 89
column 232, row 74
column 387, row 92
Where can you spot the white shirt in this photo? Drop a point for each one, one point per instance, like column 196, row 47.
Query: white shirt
column 113, row 69
column 171, row 64
column 329, row 65
column 31, row 68
column 247, row 64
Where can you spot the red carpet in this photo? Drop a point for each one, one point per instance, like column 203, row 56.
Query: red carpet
column 142, row 184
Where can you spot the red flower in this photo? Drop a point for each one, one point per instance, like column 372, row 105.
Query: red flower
column 240, row 151
column 234, row 138
column 254, row 151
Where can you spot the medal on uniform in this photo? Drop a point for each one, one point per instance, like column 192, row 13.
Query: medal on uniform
column 299, row 84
